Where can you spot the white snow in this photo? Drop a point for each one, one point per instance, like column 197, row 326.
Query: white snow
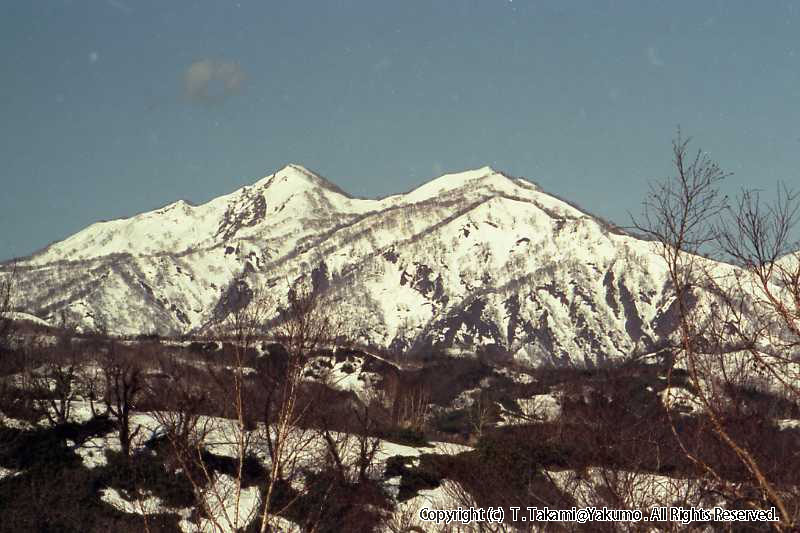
column 222, row 498
column 25, row 317
column 542, row 407
column 443, row 184
column 92, row 452
column 145, row 506
column 788, row 423
column 682, row 400
column 7, row 472
column 446, row 496
column 640, row 490
column 14, row 423
column 391, row 449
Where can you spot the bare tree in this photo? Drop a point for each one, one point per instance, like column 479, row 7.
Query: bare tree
column 58, row 382
column 124, row 384
column 58, row 385
column 7, row 301
column 731, row 320
column 7, row 365
column 182, row 402
column 411, row 405
column 259, row 403
column 480, row 414
column 244, row 328
column 306, row 324
column 348, row 433
column 209, row 408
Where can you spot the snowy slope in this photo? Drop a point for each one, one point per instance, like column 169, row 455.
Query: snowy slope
column 471, row 260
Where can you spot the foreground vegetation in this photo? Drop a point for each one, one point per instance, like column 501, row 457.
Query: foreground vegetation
column 613, row 439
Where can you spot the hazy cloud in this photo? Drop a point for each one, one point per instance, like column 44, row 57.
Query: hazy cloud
column 210, row 81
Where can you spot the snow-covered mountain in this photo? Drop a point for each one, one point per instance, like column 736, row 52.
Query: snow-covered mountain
column 470, row 261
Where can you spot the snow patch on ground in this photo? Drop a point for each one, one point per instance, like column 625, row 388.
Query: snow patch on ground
column 346, row 375
column 541, row 407
column 222, row 497
column 14, row 423
column 788, row 423
column 639, row 490
column 406, row 514
column 7, row 472
column 390, row 449
column 465, row 398
column 93, row 451
column 148, row 505
column 25, row 317
column 681, row 400
column 221, row 494
column 537, row 408
column 518, row 377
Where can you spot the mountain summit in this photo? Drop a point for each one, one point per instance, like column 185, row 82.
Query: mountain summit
column 470, row 261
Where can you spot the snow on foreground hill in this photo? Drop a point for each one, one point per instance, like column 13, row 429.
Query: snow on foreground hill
column 222, row 497
column 470, row 261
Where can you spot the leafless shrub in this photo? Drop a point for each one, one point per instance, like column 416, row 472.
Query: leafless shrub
column 731, row 321
column 7, row 301
column 124, row 385
column 261, row 407
column 305, row 324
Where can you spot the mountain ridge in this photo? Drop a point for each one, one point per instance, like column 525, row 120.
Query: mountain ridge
column 468, row 261
column 274, row 184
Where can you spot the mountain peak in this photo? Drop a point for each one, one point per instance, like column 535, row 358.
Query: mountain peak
column 445, row 183
column 294, row 178
column 289, row 173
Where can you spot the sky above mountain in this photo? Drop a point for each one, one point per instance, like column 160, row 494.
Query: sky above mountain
column 111, row 108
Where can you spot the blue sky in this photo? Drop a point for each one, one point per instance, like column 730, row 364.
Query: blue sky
column 110, row 108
